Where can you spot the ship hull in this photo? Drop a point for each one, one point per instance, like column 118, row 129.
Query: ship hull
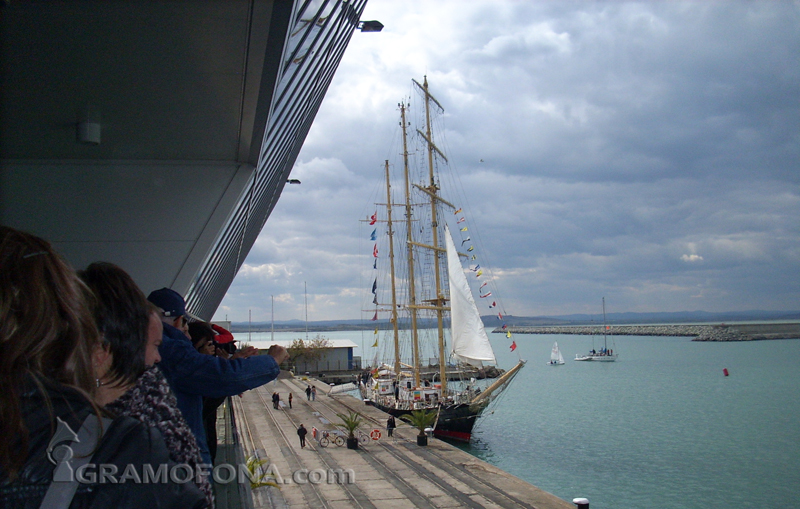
column 455, row 421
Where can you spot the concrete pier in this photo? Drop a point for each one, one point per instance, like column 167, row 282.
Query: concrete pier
column 386, row 473
column 710, row 332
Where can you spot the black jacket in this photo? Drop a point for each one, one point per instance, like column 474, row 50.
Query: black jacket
column 126, row 444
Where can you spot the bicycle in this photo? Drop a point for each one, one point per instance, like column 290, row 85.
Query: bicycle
column 363, row 438
column 326, row 438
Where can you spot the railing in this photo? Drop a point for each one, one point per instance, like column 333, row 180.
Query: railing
column 229, row 450
column 323, row 366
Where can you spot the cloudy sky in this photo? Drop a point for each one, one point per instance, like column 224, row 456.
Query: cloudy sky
column 648, row 152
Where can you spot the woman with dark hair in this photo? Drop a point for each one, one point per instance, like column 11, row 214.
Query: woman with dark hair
column 47, row 386
column 131, row 384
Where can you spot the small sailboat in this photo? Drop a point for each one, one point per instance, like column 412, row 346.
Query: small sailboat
column 556, row 359
column 605, row 354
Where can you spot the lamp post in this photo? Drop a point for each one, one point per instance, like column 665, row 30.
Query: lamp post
column 370, row 26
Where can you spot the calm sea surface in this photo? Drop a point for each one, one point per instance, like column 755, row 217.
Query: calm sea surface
column 660, row 428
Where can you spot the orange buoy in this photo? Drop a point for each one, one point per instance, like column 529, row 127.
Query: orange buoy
column 725, row 371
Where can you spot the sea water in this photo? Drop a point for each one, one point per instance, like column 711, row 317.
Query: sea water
column 662, row 427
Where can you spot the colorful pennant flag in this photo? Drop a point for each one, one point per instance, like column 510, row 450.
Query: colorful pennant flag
column 374, row 234
column 457, row 212
column 375, row 286
column 373, row 218
column 484, row 284
column 375, row 317
column 477, row 268
column 513, row 343
column 487, row 295
column 376, row 330
column 499, row 316
column 493, row 304
column 465, row 240
column 505, row 326
column 479, row 273
column 375, row 345
column 375, row 251
column 471, row 248
column 474, row 257
column 375, row 264
column 375, row 300
column 463, row 229
column 461, row 220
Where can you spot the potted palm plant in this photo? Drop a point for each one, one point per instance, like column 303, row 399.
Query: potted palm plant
column 351, row 422
column 421, row 419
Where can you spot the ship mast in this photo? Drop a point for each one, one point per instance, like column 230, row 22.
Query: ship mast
column 437, row 304
column 412, row 292
column 391, row 265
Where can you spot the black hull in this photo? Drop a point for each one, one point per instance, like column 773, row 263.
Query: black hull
column 455, row 421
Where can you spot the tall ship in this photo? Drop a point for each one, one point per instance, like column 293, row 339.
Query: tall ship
column 435, row 353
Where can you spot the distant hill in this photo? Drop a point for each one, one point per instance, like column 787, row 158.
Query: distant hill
column 681, row 317
column 494, row 321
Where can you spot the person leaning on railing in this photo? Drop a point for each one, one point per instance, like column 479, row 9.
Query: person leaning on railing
column 192, row 375
column 47, row 387
column 131, row 383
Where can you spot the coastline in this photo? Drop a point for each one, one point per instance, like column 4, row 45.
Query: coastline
column 710, row 332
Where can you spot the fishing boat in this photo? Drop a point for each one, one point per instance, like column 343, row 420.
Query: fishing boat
column 556, row 359
column 605, row 354
column 430, row 304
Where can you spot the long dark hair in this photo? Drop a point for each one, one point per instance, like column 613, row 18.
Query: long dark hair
column 46, row 332
column 122, row 314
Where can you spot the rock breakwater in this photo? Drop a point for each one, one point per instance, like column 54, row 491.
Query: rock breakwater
column 716, row 332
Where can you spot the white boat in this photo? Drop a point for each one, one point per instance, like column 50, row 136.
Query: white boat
column 556, row 359
column 430, row 287
column 605, row 354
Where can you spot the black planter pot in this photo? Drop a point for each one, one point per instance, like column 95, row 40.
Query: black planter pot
column 352, row 443
column 422, row 440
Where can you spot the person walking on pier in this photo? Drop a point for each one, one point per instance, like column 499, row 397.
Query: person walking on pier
column 302, row 432
column 390, row 426
column 308, row 392
column 290, row 401
column 313, row 393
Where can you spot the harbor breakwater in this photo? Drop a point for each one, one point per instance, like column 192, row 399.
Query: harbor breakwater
column 710, row 332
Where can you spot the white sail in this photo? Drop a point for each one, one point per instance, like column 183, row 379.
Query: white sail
column 556, row 359
column 469, row 340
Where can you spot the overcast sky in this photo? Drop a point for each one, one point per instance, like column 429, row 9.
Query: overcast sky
column 648, row 152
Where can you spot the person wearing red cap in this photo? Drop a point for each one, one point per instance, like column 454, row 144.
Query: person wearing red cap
column 192, row 375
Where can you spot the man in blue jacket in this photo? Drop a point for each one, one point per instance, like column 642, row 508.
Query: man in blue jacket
column 193, row 375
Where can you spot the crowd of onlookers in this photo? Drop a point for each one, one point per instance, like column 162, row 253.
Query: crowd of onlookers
column 93, row 374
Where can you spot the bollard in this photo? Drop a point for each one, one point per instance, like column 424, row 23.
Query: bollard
column 581, row 503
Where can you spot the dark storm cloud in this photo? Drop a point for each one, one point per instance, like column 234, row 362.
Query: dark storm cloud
column 646, row 151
